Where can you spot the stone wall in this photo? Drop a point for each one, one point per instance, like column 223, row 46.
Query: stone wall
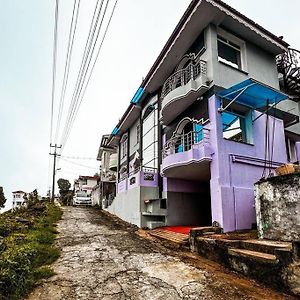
column 277, row 204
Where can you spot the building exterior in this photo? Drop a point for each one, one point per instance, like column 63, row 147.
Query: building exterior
column 83, row 187
column 218, row 110
column 19, row 199
column 108, row 171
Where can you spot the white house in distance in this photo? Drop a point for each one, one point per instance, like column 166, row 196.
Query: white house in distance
column 83, row 187
column 18, row 199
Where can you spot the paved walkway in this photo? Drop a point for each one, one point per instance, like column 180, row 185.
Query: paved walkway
column 104, row 259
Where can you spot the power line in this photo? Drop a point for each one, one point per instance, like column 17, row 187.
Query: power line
column 87, row 63
column 82, row 65
column 89, row 77
column 78, row 157
column 72, row 32
column 77, row 164
column 53, row 76
column 54, row 66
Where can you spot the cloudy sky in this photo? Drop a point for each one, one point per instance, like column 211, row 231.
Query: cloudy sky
column 137, row 33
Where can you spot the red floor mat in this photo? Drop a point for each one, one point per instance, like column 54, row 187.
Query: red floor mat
column 178, row 229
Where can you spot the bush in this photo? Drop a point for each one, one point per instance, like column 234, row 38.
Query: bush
column 27, row 249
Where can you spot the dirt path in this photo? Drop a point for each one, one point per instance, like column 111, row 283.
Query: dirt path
column 103, row 258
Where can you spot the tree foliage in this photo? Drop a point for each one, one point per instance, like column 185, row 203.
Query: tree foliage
column 2, row 197
column 66, row 195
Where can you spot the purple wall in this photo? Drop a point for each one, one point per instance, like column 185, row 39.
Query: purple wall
column 236, row 167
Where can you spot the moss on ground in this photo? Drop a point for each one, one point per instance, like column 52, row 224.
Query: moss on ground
column 26, row 248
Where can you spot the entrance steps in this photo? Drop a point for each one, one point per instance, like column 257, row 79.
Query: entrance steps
column 174, row 237
column 265, row 246
column 263, row 260
column 260, row 256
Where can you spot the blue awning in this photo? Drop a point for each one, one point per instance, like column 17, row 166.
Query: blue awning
column 252, row 93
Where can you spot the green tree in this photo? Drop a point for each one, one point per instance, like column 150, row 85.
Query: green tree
column 66, row 194
column 32, row 198
column 2, row 197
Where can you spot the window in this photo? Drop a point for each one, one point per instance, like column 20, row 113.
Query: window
column 138, row 132
column 229, row 53
column 150, row 137
column 124, row 146
column 237, row 127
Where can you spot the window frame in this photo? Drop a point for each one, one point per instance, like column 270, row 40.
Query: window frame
column 232, row 41
column 246, row 131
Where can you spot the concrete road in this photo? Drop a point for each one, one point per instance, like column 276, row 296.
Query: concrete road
column 105, row 258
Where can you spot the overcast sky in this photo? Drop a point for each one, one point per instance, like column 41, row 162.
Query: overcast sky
column 137, row 33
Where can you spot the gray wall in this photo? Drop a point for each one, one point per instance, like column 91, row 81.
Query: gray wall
column 259, row 64
column 277, row 204
column 126, row 206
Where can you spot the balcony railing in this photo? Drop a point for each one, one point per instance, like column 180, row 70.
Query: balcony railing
column 185, row 142
column 183, row 76
column 148, row 173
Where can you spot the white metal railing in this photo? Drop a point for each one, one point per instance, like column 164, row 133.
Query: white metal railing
column 183, row 76
column 146, row 170
column 184, row 142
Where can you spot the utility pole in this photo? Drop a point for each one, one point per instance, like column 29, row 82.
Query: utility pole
column 54, row 166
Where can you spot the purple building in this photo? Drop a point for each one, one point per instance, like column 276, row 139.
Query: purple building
column 218, row 110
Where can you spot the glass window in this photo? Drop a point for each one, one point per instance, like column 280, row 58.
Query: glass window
column 123, row 147
column 234, row 127
column 229, row 53
column 198, row 129
column 150, row 138
column 138, row 132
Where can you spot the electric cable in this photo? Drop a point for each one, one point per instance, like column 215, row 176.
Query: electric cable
column 93, row 66
column 87, row 62
column 82, row 65
column 54, row 67
column 72, row 32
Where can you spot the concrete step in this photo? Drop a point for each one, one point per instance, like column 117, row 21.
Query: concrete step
column 204, row 231
column 253, row 255
column 265, row 246
column 178, row 238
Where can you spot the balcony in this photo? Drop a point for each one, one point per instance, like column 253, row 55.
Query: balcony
column 113, row 162
column 183, row 88
column 188, row 156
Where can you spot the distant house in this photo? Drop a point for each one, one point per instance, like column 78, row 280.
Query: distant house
column 83, row 187
column 218, row 110
column 18, row 199
column 109, row 162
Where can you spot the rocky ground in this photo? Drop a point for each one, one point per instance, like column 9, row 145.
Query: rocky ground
column 105, row 258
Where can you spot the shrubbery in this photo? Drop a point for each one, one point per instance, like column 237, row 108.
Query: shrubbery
column 26, row 247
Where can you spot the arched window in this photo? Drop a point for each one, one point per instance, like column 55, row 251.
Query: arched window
column 187, row 133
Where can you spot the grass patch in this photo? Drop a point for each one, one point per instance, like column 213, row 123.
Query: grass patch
column 26, row 248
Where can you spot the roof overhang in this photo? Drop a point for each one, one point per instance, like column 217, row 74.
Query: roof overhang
column 197, row 17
